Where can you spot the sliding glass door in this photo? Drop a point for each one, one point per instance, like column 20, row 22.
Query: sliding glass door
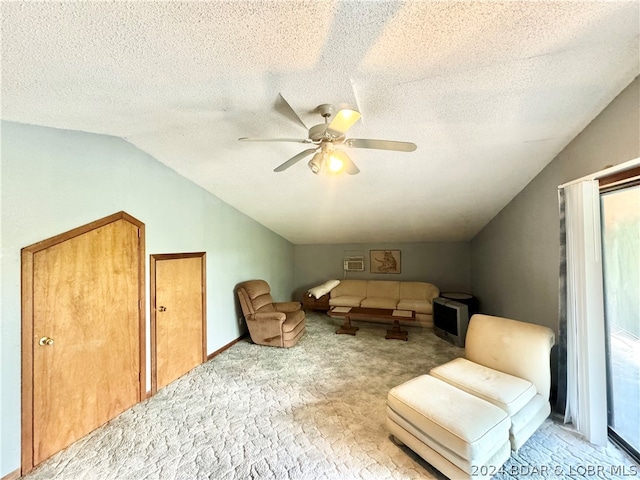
column 620, row 209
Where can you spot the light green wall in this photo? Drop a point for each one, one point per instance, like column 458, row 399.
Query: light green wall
column 515, row 258
column 55, row 180
column 445, row 264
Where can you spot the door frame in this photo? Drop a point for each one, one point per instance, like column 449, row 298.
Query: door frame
column 152, row 298
column 27, row 338
column 612, row 183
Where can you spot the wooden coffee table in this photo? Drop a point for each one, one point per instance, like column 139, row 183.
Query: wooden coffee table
column 362, row 313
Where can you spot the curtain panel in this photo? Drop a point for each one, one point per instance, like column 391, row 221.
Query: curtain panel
column 582, row 310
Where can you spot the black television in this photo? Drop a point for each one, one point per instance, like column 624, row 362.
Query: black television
column 450, row 320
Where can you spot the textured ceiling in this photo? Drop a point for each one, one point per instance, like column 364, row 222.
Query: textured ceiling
column 489, row 91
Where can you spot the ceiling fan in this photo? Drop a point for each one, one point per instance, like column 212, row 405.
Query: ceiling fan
column 325, row 137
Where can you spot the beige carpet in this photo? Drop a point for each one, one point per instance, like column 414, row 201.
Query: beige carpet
column 315, row 411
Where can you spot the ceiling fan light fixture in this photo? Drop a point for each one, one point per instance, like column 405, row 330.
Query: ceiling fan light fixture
column 335, row 164
column 326, row 159
column 315, row 164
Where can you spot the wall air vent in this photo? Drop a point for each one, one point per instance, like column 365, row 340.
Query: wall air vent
column 354, row 264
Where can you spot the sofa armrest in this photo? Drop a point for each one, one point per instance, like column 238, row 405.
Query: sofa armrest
column 287, row 306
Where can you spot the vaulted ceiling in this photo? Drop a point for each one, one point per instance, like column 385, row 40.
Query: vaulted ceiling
column 489, row 91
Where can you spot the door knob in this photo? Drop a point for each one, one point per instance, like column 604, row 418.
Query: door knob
column 163, row 309
column 46, row 341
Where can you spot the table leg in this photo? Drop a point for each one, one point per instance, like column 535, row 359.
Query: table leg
column 396, row 333
column 347, row 328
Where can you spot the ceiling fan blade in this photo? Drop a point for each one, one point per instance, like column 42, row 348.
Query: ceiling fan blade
column 381, row 144
column 290, row 140
column 347, row 164
column 343, row 121
column 283, row 107
column 294, row 159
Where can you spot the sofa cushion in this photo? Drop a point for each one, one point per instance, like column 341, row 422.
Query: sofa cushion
column 418, row 291
column 503, row 390
column 418, row 306
column 376, row 302
column 353, row 288
column 460, row 422
column 383, row 289
column 345, row 301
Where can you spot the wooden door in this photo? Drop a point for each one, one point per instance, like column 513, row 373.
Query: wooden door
column 178, row 316
column 83, row 333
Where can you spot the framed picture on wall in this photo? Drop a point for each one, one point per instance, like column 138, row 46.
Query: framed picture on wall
column 384, row 261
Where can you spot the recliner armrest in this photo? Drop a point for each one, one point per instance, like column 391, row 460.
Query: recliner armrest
column 266, row 327
column 287, row 306
column 270, row 317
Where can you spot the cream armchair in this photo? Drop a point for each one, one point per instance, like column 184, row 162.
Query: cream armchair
column 507, row 364
column 278, row 324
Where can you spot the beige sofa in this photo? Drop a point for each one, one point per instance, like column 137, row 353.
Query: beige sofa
column 391, row 294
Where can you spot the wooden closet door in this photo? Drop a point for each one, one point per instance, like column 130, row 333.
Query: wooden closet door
column 86, row 334
column 179, row 314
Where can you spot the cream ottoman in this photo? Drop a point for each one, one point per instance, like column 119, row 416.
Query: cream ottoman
column 516, row 396
column 459, row 434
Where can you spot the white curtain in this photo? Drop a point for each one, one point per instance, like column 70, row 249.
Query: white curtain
column 586, row 362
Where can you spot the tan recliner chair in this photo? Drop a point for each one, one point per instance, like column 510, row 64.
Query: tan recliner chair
column 278, row 324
